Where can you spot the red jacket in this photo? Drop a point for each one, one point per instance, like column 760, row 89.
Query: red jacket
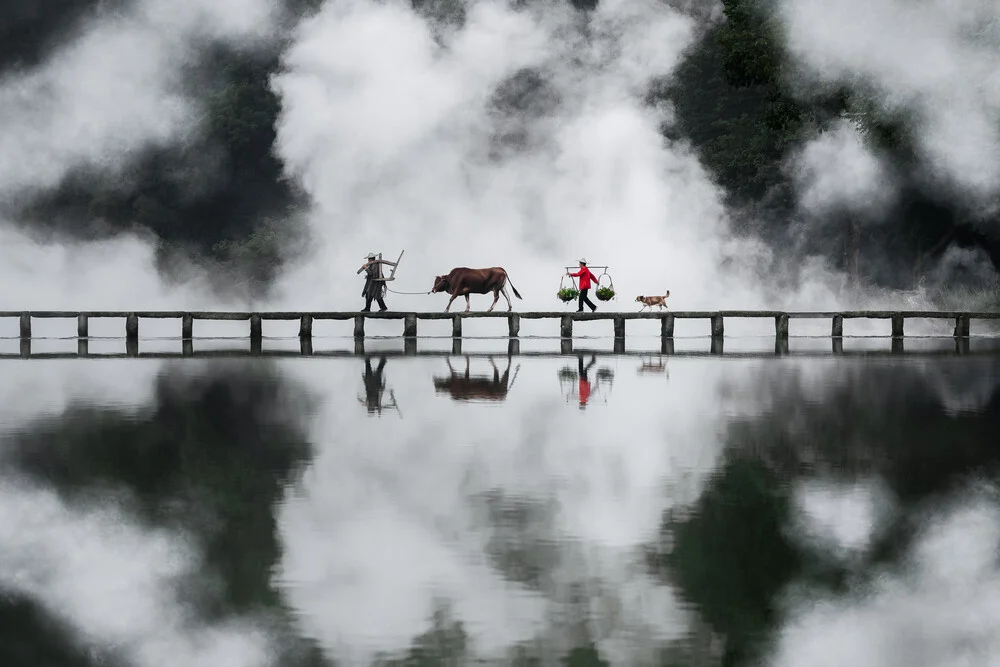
column 585, row 277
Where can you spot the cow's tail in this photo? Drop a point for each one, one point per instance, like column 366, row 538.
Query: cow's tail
column 513, row 289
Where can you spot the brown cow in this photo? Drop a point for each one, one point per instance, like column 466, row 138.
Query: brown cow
column 467, row 388
column 463, row 281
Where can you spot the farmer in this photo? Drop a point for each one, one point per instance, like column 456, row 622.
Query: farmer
column 585, row 276
column 374, row 283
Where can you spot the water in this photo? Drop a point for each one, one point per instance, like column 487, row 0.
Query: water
column 729, row 509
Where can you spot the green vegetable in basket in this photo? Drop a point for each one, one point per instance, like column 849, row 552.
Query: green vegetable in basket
column 568, row 294
column 605, row 293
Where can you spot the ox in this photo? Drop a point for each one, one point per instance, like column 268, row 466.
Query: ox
column 463, row 281
column 470, row 388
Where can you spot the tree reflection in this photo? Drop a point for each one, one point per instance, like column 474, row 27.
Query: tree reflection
column 210, row 457
column 734, row 554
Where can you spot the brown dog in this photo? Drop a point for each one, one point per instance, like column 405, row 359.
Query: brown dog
column 650, row 301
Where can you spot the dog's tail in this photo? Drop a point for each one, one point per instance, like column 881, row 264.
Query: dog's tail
column 513, row 289
column 667, row 294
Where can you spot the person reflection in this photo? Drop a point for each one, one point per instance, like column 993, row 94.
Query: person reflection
column 374, row 385
column 584, row 380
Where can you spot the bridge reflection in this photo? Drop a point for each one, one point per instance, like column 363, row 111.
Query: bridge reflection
column 164, row 348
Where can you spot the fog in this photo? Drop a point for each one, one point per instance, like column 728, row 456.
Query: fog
column 519, row 139
column 113, row 89
column 935, row 61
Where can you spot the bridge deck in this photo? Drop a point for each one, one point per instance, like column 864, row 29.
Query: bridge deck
column 566, row 320
column 528, row 315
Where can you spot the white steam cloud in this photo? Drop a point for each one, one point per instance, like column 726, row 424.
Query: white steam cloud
column 399, row 130
column 114, row 582
column 837, row 171
column 940, row 609
column 394, row 514
column 936, row 60
column 97, row 101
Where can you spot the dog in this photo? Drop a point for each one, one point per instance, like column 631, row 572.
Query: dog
column 650, row 301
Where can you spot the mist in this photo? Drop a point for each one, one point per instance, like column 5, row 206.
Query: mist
column 112, row 90
column 934, row 61
column 520, row 139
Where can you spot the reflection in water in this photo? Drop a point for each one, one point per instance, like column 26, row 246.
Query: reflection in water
column 375, row 388
column 750, row 511
column 583, row 388
column 470, row 388
column 653, row 367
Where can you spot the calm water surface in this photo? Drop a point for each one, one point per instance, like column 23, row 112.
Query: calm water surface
column 452, row 510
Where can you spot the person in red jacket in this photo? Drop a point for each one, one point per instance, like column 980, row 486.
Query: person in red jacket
column 586, row 277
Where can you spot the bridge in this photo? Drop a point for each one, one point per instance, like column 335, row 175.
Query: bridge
column 715, row 319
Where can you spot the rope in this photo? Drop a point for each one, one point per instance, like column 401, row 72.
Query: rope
column 388, row 289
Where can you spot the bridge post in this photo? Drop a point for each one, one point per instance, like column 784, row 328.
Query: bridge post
column 306, row 327
column 566, row 326
column 82, row 347
column 718, row 329
column 456, row 326
column 187, row 347
column 666, row 346
column 717, row 345
column 131, row 347
column 513, row 347
column 456, row 346
column 962, row 326
column 305, row 347
column 187, row 326
column 359, row 326
column 897, row 325
column 619, row 327
column 667, row 327
column 82, row 326
column 838, row 345
column 256, row 329
column 131, row 327
column 781, row 327
column 513, row 325
column 410, row 325
column 25, row 348
column 25, row 326
column 838, row 327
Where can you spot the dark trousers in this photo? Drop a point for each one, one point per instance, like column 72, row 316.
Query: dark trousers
column 585, row 300
column 368, row 303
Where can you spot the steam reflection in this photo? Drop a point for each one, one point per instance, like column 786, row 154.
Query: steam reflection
column 750, row 509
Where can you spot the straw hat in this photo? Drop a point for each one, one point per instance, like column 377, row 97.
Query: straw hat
column 370, row 255
column 582, row 261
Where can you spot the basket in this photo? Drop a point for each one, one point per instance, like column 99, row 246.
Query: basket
column 567, row 294
column 605, row 292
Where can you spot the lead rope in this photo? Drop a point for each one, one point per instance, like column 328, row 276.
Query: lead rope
column 389, row 289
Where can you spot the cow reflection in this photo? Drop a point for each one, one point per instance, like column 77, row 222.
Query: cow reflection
column 375, row 388
column 466, row 387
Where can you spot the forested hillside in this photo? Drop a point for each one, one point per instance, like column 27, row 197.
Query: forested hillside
column 733, row 100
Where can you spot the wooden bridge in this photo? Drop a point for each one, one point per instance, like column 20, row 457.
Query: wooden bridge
column 716, row 320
